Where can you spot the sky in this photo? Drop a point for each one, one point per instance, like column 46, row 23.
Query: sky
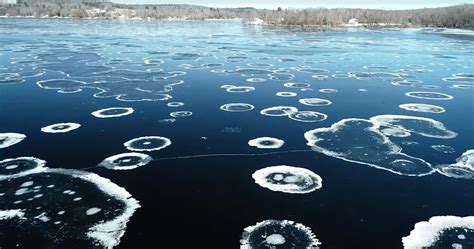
column 273, row 4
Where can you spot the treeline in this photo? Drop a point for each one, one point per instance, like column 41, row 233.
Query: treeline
column 460, row 16
column 103, row 9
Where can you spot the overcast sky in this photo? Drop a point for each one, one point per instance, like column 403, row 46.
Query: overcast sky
column 272, row 4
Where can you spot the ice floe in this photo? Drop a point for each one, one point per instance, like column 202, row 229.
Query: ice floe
column 367, row 145
column 37, row 197
column 148, row 143
column 429, row 95
column 181, row 114
column 308, row 116
column 266, row 143
column 113, row 112
column 278, row 234
column 462, row 168
column 277, row 111
column 126, row 161
column 10, row 138
column 315, row 102
column 288, row 179
column 286, row 94
column 237, row 107
column 432, row 233
column 60, row 127
column 418, row 107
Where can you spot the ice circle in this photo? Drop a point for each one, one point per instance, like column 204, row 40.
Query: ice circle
column 308, row 116
column 10, row 138
column 288, row 179
column 361, row 141
column 418, row 107
column 441, row 232
column 315, row 102
column 422, row 126
column 148, row 143
column 18, row 166
column 62, row 85
column 256, row 80
column 463, row 168
column 126, row 161
column 462, row 86
column 278, row 111
column 113, row 112
column 286, row 94
column 181, row 114
column 328, row 90
column 429, row 95
column 175, row 104
column 237, row 107
column 238, row 89
column 278, row 234
column 296, row 85
column 60, row 127
column 60, row 205
column 266, row 143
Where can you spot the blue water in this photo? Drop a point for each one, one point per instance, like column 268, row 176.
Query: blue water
column 206, row 202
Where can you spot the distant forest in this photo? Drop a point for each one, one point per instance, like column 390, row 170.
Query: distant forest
column 460, row 16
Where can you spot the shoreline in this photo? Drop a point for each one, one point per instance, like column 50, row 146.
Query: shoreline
column 394, row 27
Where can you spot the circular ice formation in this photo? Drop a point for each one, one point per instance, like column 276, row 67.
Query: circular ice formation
column 361, row 141
column 418, row 107
column 428, row 233
column 126, row 161
column 429, row 95
column 149, row 143
column 422, row 126
column 308, row 116
column 443, row 148
column 266, row 143
column 10, row 138
column 62, row 85
column 113, row 112
column 296, row 85
column 286, row 94
column 35, row 200
column 60, row 127
column 181, row 114
column 320, row 77
column 256, row 80
column 463, row 168
column 462, row 86
column 328, row 90
column 312, row 70
column 237, row 107
column 278, row 111
column 281, row 76
column 278, row 234
column 288, row 179
column 14, row 167
column 315, row 102
column 238, row 89
column 175, row 104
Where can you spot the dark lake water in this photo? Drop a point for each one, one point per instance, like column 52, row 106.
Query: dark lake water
column 377, row 128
